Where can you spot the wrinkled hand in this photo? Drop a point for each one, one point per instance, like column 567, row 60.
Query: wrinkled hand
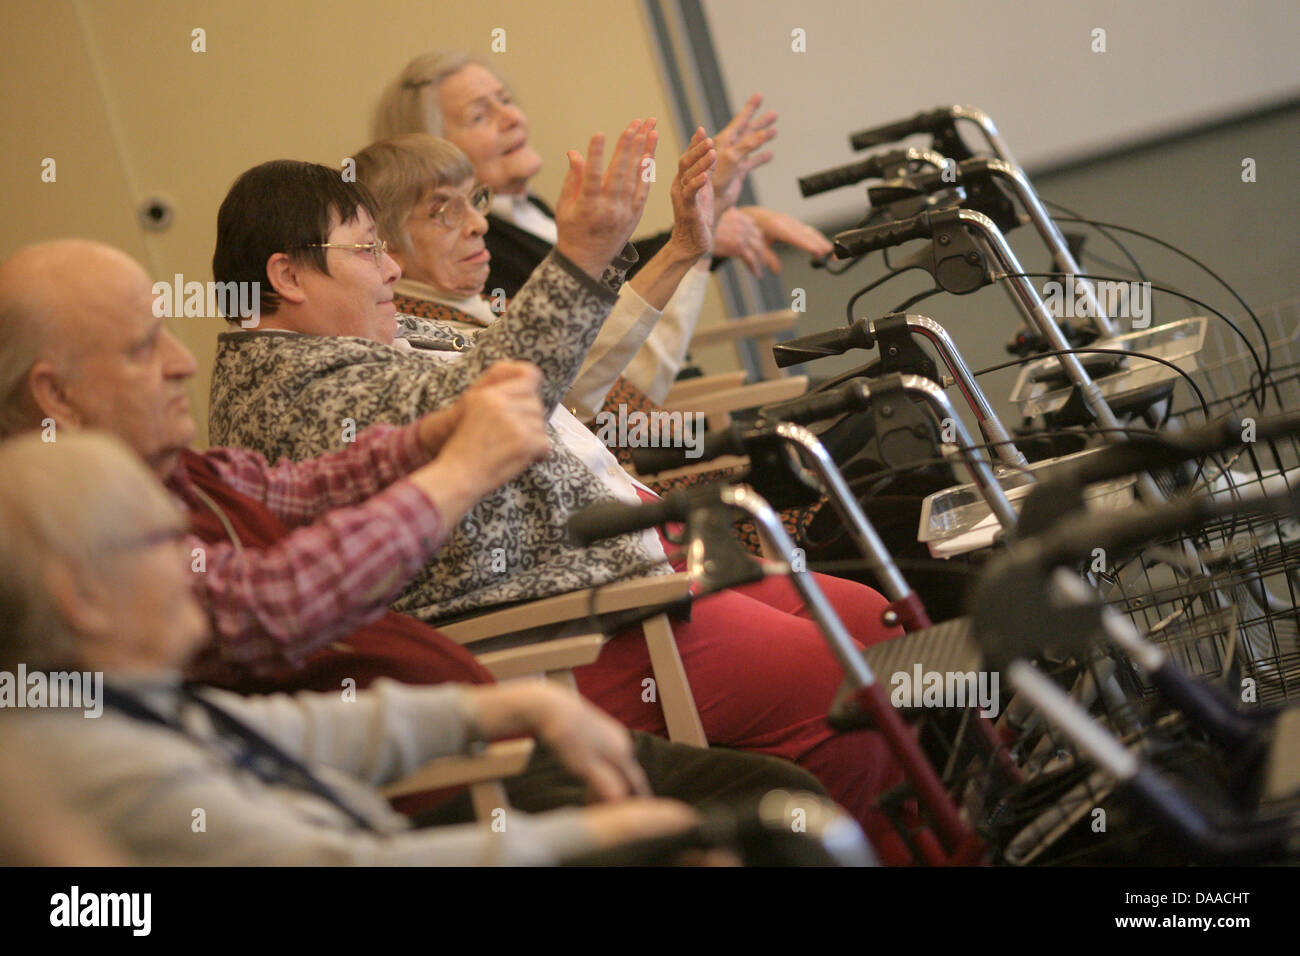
column 749, row 232
column 736, row 144
column 591, row 744
column 585, row 739
column 436, row 427
column 596, row 214
column 738, row 237
column 692, row 197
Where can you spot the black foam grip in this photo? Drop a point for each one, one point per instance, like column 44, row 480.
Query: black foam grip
column 1141, row 453
column 821, row 344
column 857, row 242
column 820, row 405
column 606, row 519
column 816, row 183
column 922, row 122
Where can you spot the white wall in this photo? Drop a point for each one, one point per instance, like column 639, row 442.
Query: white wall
column 1168, row 64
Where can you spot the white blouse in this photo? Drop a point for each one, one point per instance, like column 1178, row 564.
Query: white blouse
column 577, row 437
column 657, row 350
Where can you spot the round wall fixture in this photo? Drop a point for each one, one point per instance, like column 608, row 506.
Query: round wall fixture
column 155, row 213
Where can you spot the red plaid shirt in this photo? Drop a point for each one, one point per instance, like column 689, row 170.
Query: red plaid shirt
column 360, row 534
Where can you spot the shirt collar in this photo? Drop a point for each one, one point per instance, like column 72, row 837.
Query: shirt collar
column 474, row 306
column 507, row 207
column 159, row 690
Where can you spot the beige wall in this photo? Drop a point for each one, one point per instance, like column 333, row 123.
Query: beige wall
column 113, row 92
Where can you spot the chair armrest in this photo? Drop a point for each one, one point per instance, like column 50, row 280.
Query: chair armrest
column 691, row 387
column 564, row 653
column 761, row 323
column 724, row 463
column 610, row 599
column 746, row 396
column 508, row 758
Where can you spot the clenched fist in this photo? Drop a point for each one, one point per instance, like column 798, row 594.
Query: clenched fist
column 495, row 430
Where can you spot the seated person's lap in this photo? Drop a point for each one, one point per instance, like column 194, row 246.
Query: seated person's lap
column 762, row 679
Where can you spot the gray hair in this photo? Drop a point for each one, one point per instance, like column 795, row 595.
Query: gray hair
column 76, row 501
column 400, row 171
column 409, row 104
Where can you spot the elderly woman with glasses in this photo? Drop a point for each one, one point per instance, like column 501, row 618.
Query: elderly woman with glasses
column 759, row 668
column 434, row 219
column 455, row 95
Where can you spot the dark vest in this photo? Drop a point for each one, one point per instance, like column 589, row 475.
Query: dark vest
column 395, row 645
column 517, row 252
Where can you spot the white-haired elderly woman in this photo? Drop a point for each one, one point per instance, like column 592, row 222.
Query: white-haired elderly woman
column 460, row 97
column 95, row 577
column 433, row 214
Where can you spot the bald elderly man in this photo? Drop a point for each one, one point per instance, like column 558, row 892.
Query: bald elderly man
column 302, row 559
column 294, row 557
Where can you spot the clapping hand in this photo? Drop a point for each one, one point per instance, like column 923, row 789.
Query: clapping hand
column 736, row 145
column 692, row 197
column 596, row 213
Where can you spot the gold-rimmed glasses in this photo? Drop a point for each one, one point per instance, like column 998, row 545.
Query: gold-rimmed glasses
column 376, row 248
column 451, row 214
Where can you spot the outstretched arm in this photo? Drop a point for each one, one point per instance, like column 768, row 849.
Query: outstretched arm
column 750, row 232
column 278, row 604
column 657, row 310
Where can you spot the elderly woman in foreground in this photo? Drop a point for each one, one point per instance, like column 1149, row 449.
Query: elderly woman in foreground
column 432, row 213
column 95, row 577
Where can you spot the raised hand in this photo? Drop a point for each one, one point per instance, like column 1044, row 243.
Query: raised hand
column 749, row 232
column 736, row 145
column 596, row 213
column 692, row 197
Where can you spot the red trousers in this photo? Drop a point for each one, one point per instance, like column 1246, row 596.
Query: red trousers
column 763, row 680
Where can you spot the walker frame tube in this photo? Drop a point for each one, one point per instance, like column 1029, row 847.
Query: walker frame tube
column 963, row 844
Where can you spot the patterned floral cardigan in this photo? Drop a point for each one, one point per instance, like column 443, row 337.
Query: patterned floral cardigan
column 295, row 395
column 623, row 397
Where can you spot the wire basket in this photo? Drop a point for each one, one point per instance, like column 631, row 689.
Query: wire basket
column 1222, row 599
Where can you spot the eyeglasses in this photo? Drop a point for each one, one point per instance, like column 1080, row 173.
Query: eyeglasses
column 451, row 214
column 376, row 248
